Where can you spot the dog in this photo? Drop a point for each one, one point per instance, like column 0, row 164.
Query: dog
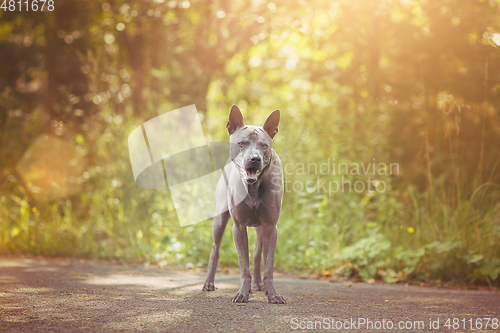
column 251, row 193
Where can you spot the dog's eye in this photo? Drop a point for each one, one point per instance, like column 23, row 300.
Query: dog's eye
column 241, row 144
column 264, row 146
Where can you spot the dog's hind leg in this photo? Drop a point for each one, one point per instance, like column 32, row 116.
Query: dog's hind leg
column 218, row 227
column 257, row 259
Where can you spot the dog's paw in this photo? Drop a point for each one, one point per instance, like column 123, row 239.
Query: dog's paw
column 209, row 286
column 240, row 298
column 276, row 299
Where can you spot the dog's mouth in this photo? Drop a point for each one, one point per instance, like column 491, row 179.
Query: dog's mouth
column 249, row 173
column 252, row 174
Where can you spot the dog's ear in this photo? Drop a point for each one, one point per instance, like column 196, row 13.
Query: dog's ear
column 271, row 123
column 235, row 120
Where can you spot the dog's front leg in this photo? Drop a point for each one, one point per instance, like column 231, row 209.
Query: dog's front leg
column 218, row 227
column 270, row 240
column 240, row 238
column 257, row 259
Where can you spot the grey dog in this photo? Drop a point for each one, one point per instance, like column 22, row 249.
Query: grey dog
column 250, row 192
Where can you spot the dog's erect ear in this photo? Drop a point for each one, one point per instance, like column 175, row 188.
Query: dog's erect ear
column 271, row 123
column 235, row 120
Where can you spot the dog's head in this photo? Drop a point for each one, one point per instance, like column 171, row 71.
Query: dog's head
column 250, row 146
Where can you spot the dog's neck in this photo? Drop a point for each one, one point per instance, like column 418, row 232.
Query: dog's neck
column 253, row 190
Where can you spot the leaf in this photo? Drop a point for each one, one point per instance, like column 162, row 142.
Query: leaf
column 391, row 276
column 443, row 247
column 474, row 259
column 365, row 274
column 389, row 279
column 409, row 270
column 491, row 268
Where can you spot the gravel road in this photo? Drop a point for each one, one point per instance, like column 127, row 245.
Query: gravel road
column 71, row 295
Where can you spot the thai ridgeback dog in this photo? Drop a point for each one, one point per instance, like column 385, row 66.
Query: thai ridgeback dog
column 250, row 192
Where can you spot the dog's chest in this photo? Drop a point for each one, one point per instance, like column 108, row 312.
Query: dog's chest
column 250, row 212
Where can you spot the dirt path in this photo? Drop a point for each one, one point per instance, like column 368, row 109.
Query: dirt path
column 47, row 295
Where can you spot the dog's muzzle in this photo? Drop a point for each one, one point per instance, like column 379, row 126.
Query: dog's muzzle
column 252, row 174
column 253, row 168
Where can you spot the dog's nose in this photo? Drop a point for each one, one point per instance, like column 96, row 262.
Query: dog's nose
column 255, row 159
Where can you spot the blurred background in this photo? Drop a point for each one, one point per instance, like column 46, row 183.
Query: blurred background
column 409, row 82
